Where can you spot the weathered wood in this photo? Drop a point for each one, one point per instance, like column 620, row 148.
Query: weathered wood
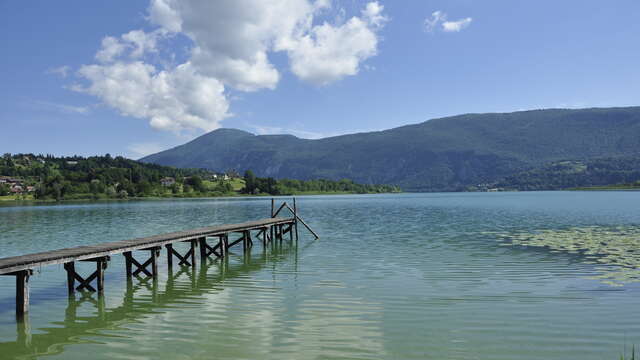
column 298, row 218
column 71, row 271
column 21, row 266
column 169, row 248
column 22, row 292
column 101, row 266
column 295, row 217
column 154, row 253
column 206, row 250
column 203, row 248
column 280, row 209
column 85, row 283
column 127, row 262
column 29, row 261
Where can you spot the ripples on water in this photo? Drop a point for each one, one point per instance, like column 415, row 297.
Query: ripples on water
column 411, row 276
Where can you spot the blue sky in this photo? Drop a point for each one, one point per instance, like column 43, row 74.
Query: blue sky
column 134, row 77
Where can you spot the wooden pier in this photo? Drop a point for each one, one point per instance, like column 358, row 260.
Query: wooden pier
column 212, row 241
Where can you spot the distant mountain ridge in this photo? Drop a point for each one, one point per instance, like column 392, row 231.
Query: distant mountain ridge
column 452, row 153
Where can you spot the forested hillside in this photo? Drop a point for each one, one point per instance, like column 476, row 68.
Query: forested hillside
column 447, row 154
column 45, row 177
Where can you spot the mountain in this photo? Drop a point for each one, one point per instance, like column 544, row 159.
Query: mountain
column 451, row 153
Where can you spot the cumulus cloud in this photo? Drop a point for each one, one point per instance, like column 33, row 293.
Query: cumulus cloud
column 329, row 52
column 230, row 44
column 175, row 100
column 456, row 26
column 439, row 19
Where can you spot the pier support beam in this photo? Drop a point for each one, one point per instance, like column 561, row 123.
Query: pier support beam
column 206, row 250
column 295, row 217
column 264, row 233
column 184, row 259
column 85, row 283
column 22, row 292
column 247, row 243
column 130, row 261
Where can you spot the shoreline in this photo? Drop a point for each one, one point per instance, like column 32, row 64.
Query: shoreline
column 159, row 198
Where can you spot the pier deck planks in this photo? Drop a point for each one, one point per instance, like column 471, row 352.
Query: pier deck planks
column 30, row 261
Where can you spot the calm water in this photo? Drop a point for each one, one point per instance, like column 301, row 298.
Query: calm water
column 410, row 276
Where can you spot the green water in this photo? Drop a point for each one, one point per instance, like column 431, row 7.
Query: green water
column 547, row 275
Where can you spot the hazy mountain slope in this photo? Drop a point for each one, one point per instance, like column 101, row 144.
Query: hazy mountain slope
column 440, row 154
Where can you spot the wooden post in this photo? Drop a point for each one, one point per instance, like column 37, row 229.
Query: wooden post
column 295, row 217
column 203, row 249
column 169, row 255
column 127, row 261
column 22, row 293
column 194, row 244
column 272, row 206
column 101, row 265
column 71, row 279
column 244, row 242
column 155, row 253
column 221, row 246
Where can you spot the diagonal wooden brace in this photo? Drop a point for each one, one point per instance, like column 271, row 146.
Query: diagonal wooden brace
column 187, row 259
column 130, row 261
column 85, row 283
column 206, row 250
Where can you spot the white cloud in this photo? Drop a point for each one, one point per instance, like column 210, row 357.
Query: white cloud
column 111, row 48
column 230, row 46
column 439, row 18
column 329, row 52
column 456, row 26
column 136, row 43
column 61, row 70
column 174, row 100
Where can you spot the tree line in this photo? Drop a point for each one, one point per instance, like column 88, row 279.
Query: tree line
column 271, row 186
column 107, row 177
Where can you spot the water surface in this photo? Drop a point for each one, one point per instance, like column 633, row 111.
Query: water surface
column 544, row 275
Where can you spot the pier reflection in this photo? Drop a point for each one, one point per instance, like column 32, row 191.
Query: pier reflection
column 143, row 297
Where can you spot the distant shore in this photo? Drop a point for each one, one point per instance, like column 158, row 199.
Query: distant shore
column 30, row 199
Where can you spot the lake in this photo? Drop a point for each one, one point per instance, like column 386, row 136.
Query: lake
column 529, row 275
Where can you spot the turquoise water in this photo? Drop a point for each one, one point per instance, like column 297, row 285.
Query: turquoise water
column 408, row 276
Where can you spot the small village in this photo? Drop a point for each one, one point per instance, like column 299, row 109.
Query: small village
column 12, row 185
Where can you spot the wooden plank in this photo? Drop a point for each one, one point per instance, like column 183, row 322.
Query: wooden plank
column 23, row 262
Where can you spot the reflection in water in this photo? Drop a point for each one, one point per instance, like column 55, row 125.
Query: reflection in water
column 617, row 247
column 403, row 276
column 142, row 298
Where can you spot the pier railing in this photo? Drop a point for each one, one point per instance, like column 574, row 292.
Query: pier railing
column 267, row 230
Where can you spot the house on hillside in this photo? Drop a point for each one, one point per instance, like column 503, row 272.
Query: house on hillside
column 10, row 181
column 16, row 189
column 167, row 181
